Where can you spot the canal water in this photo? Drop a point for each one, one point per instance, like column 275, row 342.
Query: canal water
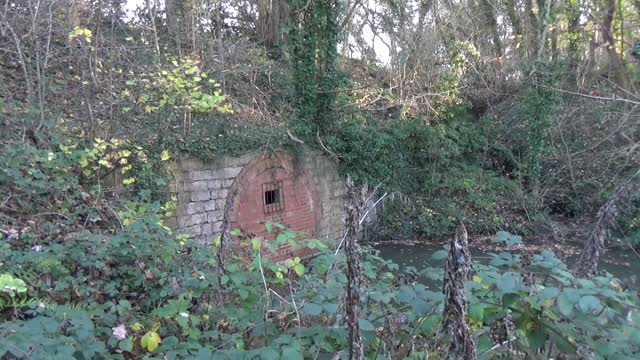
column 620, row 262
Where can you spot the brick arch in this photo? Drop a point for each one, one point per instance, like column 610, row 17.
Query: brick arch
column 301, row 208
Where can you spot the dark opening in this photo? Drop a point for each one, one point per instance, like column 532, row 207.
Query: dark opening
column 272, row 197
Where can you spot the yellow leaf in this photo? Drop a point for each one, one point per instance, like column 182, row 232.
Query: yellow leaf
column 128, row 181
column 84, row 162
column 165, row 155
column 126, row 168
column 104, row 163
column 150, row 341
column 136, row 326
column 477, row 279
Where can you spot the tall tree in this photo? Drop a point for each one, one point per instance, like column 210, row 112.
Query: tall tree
column 273, row 15
column 614, row 63
column 491, row 23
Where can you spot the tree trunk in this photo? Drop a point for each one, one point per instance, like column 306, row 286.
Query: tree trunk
column 531, row 28
column 615, row 68
column 573, row 21
column 272, row 17
column 490, row 21
column 172, row 23
column 514, row 18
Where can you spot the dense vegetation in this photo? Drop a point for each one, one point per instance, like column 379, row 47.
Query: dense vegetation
column 515, row 117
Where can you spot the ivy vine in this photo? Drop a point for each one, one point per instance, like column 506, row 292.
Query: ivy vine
column 312, row 41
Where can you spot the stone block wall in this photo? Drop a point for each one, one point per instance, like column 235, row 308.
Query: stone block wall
column 202, row 188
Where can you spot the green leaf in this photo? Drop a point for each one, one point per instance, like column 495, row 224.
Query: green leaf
column 268, row 227
column 507, row 238
column 366, row 325
column 312, row 309
column 150, row 341
column 331, row 308
column 293, row 353
column 476, row 312
column 268, row 353
column 509, row 299
column 589, row 304
column 299, row 269
column 235, row 232
column 126, row 345
column 550, row 293
column 565, row 305
column 255, row 244
column 537, row 337
column 406, row 294
column 439, row 255
column 508, row 282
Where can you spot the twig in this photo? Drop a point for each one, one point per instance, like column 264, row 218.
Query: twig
column 279, row 296
column 595, row 97
column 6, row 201
column 372, row 206
column 325, row 148
column 294, row 138
column 264, row 280
column 293, row 300
column 365, row 214
column 499, row 345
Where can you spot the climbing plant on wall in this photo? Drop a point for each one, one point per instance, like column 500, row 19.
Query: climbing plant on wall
column 312, row 42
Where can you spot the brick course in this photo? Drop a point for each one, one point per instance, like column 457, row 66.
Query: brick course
column 313, row 194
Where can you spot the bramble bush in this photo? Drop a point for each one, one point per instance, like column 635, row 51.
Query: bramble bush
column 437, row 170
column 77, row 285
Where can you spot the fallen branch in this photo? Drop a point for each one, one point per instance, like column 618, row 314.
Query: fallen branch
column 607, row 215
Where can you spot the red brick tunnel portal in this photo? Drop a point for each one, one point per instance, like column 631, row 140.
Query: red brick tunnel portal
column 271, row 189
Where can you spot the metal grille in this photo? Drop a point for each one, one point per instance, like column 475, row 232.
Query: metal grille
column 272, row 197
